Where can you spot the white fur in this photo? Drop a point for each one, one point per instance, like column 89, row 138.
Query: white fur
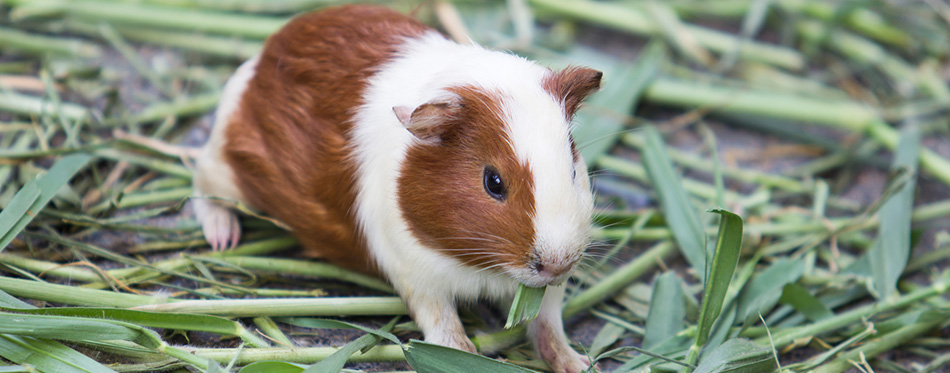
column 213, row 177
column 539, row 134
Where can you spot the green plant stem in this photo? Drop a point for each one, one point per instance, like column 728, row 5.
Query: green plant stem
column 697, row 188
column 41, row 45
column 295, row 355
column 351, row 306
column 880, row 345
column 131, row 14
column 746, row 175
column 629, row 19
column 143, row 198
column 845, row 115
column 844, row 319
column 36, row 106
column 619, row 278
column 222, row 46
column 306, row 268
column 73, row 295
column 182, row 107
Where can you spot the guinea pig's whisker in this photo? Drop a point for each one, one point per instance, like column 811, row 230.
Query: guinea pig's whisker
column 489, row 235
column 491, row 267
column 609, row 135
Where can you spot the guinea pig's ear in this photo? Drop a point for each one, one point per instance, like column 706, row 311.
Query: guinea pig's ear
column 572, row 85
column 429, row 121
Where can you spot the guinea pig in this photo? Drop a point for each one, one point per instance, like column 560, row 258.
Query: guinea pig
column 447, row 169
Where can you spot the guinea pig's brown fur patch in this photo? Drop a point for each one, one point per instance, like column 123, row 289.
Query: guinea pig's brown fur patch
column 442, row 196
column 572, row 85
column 296, row 112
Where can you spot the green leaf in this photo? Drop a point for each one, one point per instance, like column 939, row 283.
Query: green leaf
column 764, row 290
column 273, row 367
column 526, row 305
column 680, row 216
column 11, row 223
column 739, row 356
column 336, row 324
column 799, row 298
column 431, row 358
column 728, row 245
column 667, row 312
column 337, row 360
column 47, row 356
column 890, row 252
column 75, row 329
column 173, row 321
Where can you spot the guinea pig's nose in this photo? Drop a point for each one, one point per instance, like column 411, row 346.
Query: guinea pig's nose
column 551, row 269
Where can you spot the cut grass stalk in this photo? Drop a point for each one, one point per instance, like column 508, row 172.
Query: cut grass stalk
column 130, row 14
column 852, row 316
column 36, row 106
column 41, row 45
column 626, row 18
column 746, row 175
column 132, row 56
column 295, row 355
column 73, row 295
column 304, row 268
column 885, row 343
column 846, row 115
column 619, row 278
column 221, row 46
column 190, row 106
column 143, row 199
column 365, row 306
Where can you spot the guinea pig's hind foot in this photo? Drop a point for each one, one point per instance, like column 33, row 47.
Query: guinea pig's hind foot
column 218, row 223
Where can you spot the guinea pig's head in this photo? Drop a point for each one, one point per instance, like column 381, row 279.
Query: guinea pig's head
column 495, row 179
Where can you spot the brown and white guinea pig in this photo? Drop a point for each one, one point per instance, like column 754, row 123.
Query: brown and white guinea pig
column 447, row 169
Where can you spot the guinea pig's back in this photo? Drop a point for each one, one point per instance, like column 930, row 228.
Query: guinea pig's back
column 287, row 141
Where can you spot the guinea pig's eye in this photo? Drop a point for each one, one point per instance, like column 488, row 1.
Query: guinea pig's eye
column 494, row 185
column 573, row 175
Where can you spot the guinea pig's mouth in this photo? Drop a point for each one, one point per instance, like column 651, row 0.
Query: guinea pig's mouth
column 539, row 275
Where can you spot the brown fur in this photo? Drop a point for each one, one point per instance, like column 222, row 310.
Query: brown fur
column 441, row 189
column 572, row 85
column 296, row 113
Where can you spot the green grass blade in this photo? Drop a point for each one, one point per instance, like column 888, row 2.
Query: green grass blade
column 728, row 244
column 804, row 302
column 890, row 252
column 17, row 210
column 764, row 290
column 431, row 358
column 47, row 356
column 679, row 213
column 70, row 328
column 526, row 305
column 173, row 321
column 48, row 184
column 336, row 324
column 337, row 360
column 739, row 356
column 667, row 311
